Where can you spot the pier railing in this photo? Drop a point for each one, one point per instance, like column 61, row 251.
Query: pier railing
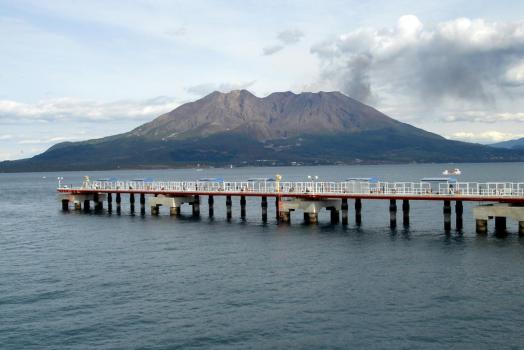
column 495, row 189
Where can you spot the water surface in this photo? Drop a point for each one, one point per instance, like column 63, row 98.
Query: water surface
column 77, row 281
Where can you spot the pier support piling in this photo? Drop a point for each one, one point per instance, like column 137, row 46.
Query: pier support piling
column 155, row 210
column 358, row 211
column 334, row 216
column 284, row 216
column 277, row 207
column 210, row 204
column 99, row 205
column 243, row 207
column 481, row 226
column 344, row 211
column 118, row 200
column 229, row 205
column 521, row 228
column 109, row 202
column 65, row 204
column 132, row 202
column 405, row 212
column 500, row 224
column 196, row 206
column 264, row 208
column 447, row 215
column 142, row 204
column 459, row 210
column 311, row 218
column 87, row 205
column 392, row 213
column 174, row 211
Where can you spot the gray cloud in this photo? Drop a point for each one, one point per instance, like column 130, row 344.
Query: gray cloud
column 460, row 60
column 204, row 89
column 269, row 50
column 286, row 38
column 290, row 37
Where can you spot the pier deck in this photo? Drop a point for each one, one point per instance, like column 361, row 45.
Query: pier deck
column 309, row 196
column 501, row 192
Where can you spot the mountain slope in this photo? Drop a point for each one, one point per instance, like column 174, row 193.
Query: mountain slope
column 510, row 144
column 240, row 128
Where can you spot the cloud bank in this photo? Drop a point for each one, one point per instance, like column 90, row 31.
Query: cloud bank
column 71, row 109
column 462, row 60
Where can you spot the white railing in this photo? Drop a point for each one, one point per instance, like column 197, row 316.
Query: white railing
column 491, row 189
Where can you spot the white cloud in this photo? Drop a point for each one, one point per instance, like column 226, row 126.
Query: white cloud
column 71, row 109
column 6, row 137
column 484, row 137
column 50, row 140
column 204, row 89
column 484, row 117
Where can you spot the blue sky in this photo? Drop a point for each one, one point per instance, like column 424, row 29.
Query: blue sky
column 74, row 70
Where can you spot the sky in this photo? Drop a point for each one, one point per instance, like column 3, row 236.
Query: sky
column 75, row 70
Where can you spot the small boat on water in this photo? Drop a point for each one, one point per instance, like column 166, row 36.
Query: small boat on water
column 455, row 171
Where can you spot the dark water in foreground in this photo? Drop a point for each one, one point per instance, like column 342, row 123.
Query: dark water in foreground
column 77, row 281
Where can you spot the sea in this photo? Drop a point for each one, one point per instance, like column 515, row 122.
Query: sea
column 74, row 280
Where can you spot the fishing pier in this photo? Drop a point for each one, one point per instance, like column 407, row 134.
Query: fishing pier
column 497, row 200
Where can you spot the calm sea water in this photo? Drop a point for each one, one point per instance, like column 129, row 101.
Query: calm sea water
column 77, row 281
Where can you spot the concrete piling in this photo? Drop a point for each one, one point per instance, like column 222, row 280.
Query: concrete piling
column 196, row 206
column 344, row 210
column 155, row 210
column 109, row 202
column 358, row 211
column 459, row 210
column 405, row 212
column 311, row 218
column 132, row 202
column 142, row 204
column 500, row 224
column 87, row 205
column 65, row 204
column 264, row 208
column 521, row 228
column 447, row 215
column 99, row 205
column 481, row 226
column 243, row 207
column 210, row 204
column 284, row 216
column 174, row 211
column 118, row 200
column 334, row 216
column 277, row 207
column 229, row 205
column 392, row 213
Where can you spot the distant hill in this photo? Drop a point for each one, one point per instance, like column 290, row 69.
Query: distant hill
column 510, row 144
column 242, row 129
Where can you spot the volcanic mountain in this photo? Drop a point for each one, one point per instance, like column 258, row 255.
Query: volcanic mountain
column 282, row 128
